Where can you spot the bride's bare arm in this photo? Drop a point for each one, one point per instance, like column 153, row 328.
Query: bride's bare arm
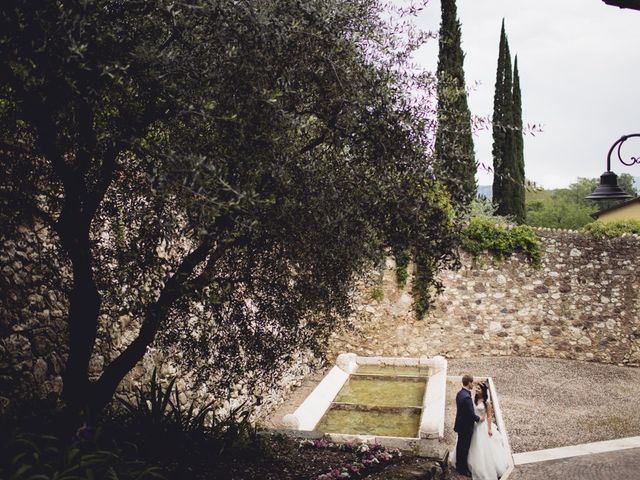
column 489, row 417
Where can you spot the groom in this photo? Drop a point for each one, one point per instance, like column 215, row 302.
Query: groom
column 465, row 420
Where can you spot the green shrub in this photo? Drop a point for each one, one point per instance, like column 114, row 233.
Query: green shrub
column 40, row 456
column 600, row 228
column 151, row 407
column 484, row 234
column 376, row 294
column 158, row 412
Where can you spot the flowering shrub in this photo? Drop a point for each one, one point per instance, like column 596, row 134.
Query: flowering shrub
column 317, row 443
column 369, row 457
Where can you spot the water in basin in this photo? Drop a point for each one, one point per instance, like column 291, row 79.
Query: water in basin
column 384, row 423
column 382, row 392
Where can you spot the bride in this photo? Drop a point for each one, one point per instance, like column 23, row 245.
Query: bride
column 488, row 459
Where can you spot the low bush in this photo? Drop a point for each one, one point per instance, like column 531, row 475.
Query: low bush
column 35, row 456
column 600, row 228
column 169, row 423
column 501, row 240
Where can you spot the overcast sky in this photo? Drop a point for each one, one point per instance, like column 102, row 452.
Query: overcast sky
column 579, row 63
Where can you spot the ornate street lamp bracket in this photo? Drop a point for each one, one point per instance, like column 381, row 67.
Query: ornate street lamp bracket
column 609, row 188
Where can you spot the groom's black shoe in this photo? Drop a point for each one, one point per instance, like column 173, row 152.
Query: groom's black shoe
column 465, row 473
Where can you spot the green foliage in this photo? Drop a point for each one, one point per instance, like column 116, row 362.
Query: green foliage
column 502, row 120
column 557, row 209
column 158, row 412
column 377, row 294
column 483, row 207
column 518, row 203
column 508, row 146
column 152, row 406
column 600, row 229
column 454, row 151
column 403, row 257
column 567, row 208
column 28, row 456
column 259, row 155
column 425, row 286
column 484, row 234
column 428, row 257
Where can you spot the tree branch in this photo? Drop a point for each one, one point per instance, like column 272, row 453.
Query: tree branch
column 175, row 287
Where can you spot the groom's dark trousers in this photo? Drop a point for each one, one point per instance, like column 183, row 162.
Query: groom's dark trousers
column 465, row 420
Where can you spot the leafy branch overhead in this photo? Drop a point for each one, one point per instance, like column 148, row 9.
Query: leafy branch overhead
column 218, row 172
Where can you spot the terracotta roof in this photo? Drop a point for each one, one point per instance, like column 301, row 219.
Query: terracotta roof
column 615, row 207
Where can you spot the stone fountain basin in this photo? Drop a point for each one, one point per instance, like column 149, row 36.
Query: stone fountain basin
column 401, row 415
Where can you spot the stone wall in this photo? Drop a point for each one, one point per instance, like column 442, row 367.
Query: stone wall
column 34, row 281
column 32, row 317
column 582, row 303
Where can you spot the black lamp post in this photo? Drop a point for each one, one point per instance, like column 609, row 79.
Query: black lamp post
column 608, row 188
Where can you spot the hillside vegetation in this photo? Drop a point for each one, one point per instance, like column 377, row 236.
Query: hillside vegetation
column 566, row 207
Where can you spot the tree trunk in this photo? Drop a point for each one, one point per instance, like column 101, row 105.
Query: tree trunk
column 84, row 308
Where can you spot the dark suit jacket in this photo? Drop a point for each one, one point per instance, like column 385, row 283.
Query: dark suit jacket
column 465, row 414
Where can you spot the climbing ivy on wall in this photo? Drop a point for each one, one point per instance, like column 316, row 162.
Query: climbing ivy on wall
column 425, row 284
column 403, row 257
column 500, row 240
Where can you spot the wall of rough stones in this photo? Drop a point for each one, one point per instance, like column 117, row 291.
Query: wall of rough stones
column 582, row 303
column 32, row 317
column 34, row 282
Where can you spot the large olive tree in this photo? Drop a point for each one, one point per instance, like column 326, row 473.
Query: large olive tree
column 217, row 170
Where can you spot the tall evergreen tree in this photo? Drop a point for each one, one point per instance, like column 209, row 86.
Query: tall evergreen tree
column 503, row 158
column 455, row 157
column 518, row 148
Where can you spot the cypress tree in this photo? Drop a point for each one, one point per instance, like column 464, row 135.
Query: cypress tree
column 454, row 153
column 518, row 148
column 503, row 158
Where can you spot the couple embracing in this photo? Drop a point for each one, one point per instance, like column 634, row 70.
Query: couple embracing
column 479, row 451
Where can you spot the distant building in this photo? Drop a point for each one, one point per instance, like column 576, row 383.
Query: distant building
column 629, row 210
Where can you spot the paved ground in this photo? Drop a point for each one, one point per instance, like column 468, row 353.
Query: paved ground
column 554, row 403
column 621, row 465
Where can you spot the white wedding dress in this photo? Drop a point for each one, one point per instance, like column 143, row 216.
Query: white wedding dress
column 488, row 459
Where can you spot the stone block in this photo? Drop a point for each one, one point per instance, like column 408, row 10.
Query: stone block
column 540, row 289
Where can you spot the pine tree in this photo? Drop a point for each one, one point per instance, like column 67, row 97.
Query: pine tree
column 454, row 152
column 503, row 158
column 518, row 148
